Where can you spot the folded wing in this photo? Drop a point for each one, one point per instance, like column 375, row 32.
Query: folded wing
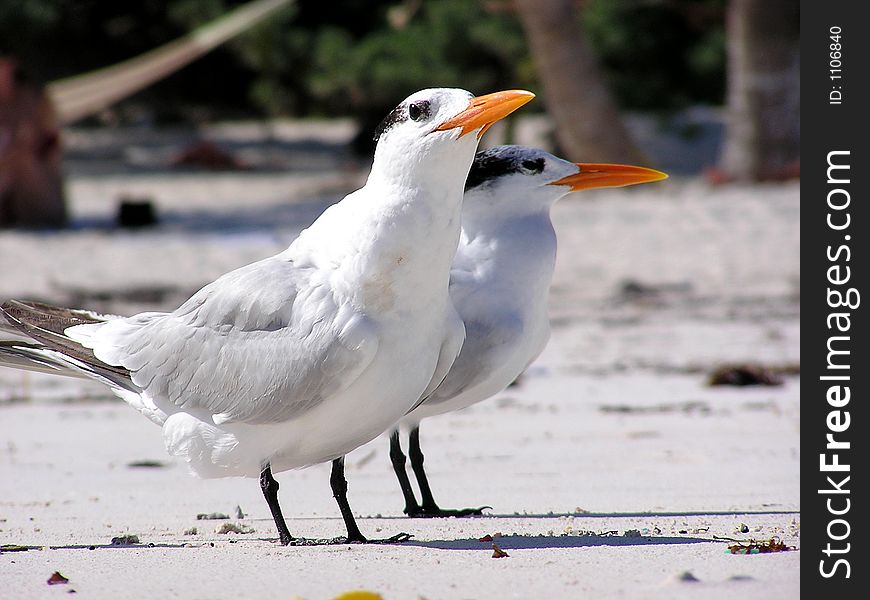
column 264, row 343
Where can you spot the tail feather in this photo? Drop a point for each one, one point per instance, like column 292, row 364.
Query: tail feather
column 32, row 357
column 56, row 352
column 65, row 317
column 38, row 358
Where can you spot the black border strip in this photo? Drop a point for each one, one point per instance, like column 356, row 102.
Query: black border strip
column 834, row 119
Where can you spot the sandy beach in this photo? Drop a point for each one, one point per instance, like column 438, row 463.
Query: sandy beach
column 613, row 469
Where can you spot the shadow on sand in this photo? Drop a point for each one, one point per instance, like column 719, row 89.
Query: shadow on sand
column 613, row 515
column 619, row 515
column 508, row 542
column 18, row 548
column 522, row 542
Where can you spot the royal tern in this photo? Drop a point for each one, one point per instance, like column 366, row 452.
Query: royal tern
column 301, row 357
column 499, row 283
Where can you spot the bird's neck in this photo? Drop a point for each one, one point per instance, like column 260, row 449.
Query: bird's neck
column 421, row 223
column 516, row 254
column 393, row 245
column 440, row 171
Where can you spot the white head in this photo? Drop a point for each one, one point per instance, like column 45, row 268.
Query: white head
column 517, row 180
column 425, row 139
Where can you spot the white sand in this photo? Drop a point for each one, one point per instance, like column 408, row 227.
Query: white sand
column 613, row 429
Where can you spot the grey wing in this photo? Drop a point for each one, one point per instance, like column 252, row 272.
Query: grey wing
column 481, row 354
column 451, row 346
column 264, row 343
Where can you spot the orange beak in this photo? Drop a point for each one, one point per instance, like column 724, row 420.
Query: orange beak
column 483, row 111
column 594, row 175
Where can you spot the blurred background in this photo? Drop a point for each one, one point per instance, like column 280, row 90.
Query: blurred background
column 689, row 86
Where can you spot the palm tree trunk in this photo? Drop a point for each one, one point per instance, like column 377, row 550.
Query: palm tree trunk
column 762, row 139
column 31, row 176
column 588, row 123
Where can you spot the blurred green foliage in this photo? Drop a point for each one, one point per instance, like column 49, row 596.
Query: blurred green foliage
column 660, row 54
column 358, row 57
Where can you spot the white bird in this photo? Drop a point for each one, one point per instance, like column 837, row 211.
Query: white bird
column 301, row 357
column 499, row 283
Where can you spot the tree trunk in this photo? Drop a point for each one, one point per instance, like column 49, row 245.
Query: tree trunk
column 762, row 139
column 31, row 177
column 588, row 123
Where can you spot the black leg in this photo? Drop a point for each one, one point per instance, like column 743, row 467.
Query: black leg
column 339, row 488
column 417, row 459
column 270, row 491
column 412, row 509
column 429, row 507
column 339, row 492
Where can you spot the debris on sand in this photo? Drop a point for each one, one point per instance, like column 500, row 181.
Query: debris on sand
column 191, row 531
column 234, row 528
column 136, row 212
column 125, row 540
column 498, row 552
column 774, row 544
column 57, row 579
column 240, row 514
column 631, row 290
column 743, row 375
column 13, row 548
column 146, row 464
column 688, row 407
column 215, row 516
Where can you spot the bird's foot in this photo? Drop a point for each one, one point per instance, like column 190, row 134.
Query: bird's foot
column 396, row 539
column 341, row 540
column 428, row 512
column 300, row 541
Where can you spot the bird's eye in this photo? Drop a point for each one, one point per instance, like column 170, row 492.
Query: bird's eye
column 534, row 166
column 418, row 110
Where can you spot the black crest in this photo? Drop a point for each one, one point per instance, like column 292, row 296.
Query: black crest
column 497, row 162
column 396, row 116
